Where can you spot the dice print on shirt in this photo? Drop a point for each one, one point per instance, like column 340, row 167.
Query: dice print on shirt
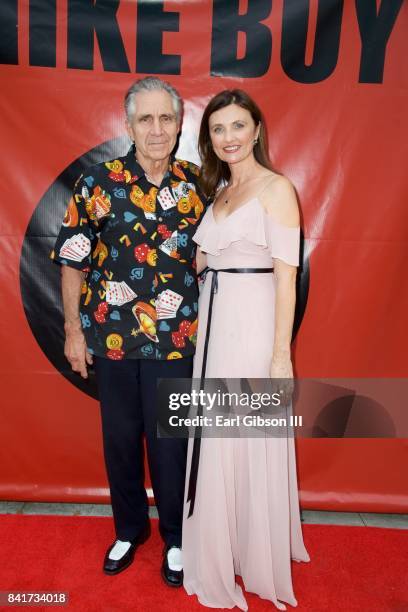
column 140, row 246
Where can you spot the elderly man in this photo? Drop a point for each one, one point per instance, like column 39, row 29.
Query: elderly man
column 130, row 302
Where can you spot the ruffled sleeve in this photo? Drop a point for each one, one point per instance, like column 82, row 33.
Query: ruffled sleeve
column 283, row 241
column 253, row 224
column 248, row 224
column 203, row 228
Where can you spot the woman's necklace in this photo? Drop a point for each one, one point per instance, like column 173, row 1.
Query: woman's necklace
column 227, row 200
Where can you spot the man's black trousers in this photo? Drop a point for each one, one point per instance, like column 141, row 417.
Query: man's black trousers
column 127, row 392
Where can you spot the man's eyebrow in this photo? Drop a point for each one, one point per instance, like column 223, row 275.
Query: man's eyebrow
column 150, row 116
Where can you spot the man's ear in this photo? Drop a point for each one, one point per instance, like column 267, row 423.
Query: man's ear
column 129, row 130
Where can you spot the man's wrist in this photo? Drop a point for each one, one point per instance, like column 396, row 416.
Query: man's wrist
column 73, row 325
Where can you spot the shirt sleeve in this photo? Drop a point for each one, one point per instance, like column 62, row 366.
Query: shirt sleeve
column 73, row 246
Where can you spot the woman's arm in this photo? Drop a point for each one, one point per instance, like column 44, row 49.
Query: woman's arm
column 280, row 202
column 285, row 281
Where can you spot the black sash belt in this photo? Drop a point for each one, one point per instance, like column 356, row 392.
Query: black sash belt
column 195, row 459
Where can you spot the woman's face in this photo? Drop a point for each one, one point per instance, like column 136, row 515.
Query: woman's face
column 232, row 132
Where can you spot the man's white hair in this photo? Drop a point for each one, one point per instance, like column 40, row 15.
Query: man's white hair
column 151, row 83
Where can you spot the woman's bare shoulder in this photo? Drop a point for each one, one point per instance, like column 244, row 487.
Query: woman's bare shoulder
column 279, row 200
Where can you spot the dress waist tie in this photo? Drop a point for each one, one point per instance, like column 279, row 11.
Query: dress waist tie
column 195, row 458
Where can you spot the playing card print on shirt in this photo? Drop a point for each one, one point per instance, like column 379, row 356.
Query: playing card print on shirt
column 169, row 246
column 167, row 304
column 119, row 293
column 75, row 248
column 133, row 241
column 166, row 199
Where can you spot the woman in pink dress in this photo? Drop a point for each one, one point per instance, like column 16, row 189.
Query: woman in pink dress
column 242, row 511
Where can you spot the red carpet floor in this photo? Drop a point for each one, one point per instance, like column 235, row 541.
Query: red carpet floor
column 352, row 568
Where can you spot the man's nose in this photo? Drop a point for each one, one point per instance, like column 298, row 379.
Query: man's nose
column 157, row 127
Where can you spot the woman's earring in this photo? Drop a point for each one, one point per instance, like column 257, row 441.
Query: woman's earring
column 255, row 141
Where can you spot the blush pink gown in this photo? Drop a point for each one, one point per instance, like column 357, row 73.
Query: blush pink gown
column 246, row 517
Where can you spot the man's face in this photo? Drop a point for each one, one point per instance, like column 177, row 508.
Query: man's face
column 153, row 126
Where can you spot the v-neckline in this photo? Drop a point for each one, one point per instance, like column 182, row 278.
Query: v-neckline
column 233, row 212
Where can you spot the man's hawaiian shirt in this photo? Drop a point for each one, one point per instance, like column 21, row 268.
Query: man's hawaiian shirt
column 133, row 239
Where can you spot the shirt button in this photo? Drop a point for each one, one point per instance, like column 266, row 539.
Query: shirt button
column 160, row 218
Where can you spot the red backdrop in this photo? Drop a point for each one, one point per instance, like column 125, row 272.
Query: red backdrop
column 336, row 118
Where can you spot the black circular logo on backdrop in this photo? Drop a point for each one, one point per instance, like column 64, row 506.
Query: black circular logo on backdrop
column 40, row 277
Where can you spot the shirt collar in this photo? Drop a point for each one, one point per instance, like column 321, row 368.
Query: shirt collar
column 136, row 170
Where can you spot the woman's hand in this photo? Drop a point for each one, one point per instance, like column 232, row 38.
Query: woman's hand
column 282, row 373
column 281, row 367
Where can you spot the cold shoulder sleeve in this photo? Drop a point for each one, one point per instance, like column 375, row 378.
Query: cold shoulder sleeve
column 283, row 242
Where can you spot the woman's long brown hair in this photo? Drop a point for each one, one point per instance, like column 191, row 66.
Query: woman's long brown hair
column 213, row 170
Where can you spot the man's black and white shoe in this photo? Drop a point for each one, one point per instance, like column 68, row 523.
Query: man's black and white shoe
column 121, row 554
column 172, row 566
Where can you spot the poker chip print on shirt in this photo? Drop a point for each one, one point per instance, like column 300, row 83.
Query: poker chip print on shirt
column 133, row 241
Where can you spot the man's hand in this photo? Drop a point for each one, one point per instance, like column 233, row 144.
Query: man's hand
column 75, row 350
